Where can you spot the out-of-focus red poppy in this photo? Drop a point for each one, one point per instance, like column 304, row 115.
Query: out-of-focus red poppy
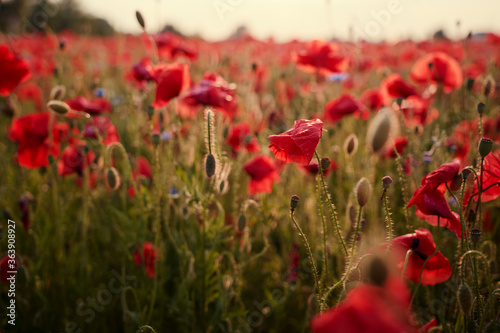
column 240, row 138
column 394, row 86
column 263, row 174
column 147, row 255
column 313, row 168
column 12, row 71
column 298, row 143
column 342, row 106
column 6, row 267
column 104, row 127
column 32, row 133
column 73, row 160
column 142, row 169
column 171, row 80
column 438, row 68
column 32, row 92
column 491, row 176
column 415, row 110
column 422, row 246
column 212, row 91
column 95, row 107
column 320, row 57
column 369, row 309
column 400, row 143
column 372, row 98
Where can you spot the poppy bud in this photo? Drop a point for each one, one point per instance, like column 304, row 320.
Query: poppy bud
column 363, row 191
column 475, row 235
column 472, row 216
column 377, row 272
column 58, row 107
column 353, row 278
column 57, row 93
column 150, row 111
column 456, row 183
column 242, row 222
column 485, row 147
column 140, row 19
column 112, row 179
column 351, row 144
column 489, row 86
column 352, row 213
column 325, row 163
column 386, row 182
column 399, row 101
column 464, row 296
column 294, row 201
column 480, row 108
column 470, row 84
column 380, row 130
column 155, row 139
column 210, row 165
column 466, row 173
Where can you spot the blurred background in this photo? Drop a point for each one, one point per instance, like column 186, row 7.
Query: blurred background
column 372, row 20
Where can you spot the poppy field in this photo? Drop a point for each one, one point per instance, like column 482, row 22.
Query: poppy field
column 159, row 183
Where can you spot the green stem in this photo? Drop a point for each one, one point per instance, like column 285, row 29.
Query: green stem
column 462, row 219
column 420, row 278
column 323, row 222
column 388, row 219
column 406, row 263
column 480, row 191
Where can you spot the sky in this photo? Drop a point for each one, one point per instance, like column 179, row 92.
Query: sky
column 284, row 20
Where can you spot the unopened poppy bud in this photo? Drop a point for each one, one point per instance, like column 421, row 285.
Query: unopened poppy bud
column 353, row 278
column 489, row 86
column 472, row 216
column 325, row 163
column 480, row 108
column 475, row 235
column 362, row 224
column 380, row 129
column 155, row 139
column 210, row 165
column 470, row 84
column 464, row 296
column 140, row 19
column 377, row 271
column 254, row 67
column 150, row 111
column 294, row 201
column 57, row 93
column 363, row 192
column 58, row 107
column 51, row 159
column 386, row 182
column 242, row 222
column 466, row 173
column 112, row 179
column 399, row 101
column 351, row 144
column 456, row 183
column 485, row 147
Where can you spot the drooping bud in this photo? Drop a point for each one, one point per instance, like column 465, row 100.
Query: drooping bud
column 464, row 296
column 386, row 182
column 325, row 163
column 294, row 201
column 456, row 183
column 363, row 192
column 480, row 108
column 475, row 236
column 242, row 222
column 351, row 144
column 140, row 19
column 377, row 271
column 58, row 107
column 485, row 147
column 210, row 165
column 112, row 179
column 57, row 93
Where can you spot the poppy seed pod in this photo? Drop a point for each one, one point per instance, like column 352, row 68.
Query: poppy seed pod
column 155, row 139
column 485, row 147
column 386, row 182
column 470, row 84
column 480, row 108
column 294, row 201
column 210, row 165
column 140, row 19
column 150, row 111
column 363, row 192
column 475, row 235
column 58, row 107
column 112, row 179
column 57, row 93
column 351, row 144
column 325, row 163
column 464, row 296
column 466, row 173
column 242, row 222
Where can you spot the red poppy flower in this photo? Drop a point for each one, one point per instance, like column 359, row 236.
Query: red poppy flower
column 416, row 111
column 369, row 309
column 147, row 257
column 240, row 137
column 32, row 92
column 320, row 57
column 32, row 133
column 72, row 161
column 422, row 246
column 394, row 86
column 263, row 174
column 400, row 143
column 6, row 267
column 94, row 107
column 438, row 67
column 105, row 128
column 12, row 71
column 431, row 201
column 171, row 80
column 491, row 176
column 452, row 224
column 140, row 72
column 372, row 98
column 142, row 169
column 443, row 174
column 212, row 91
column 342, row 106
column 298, row 143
